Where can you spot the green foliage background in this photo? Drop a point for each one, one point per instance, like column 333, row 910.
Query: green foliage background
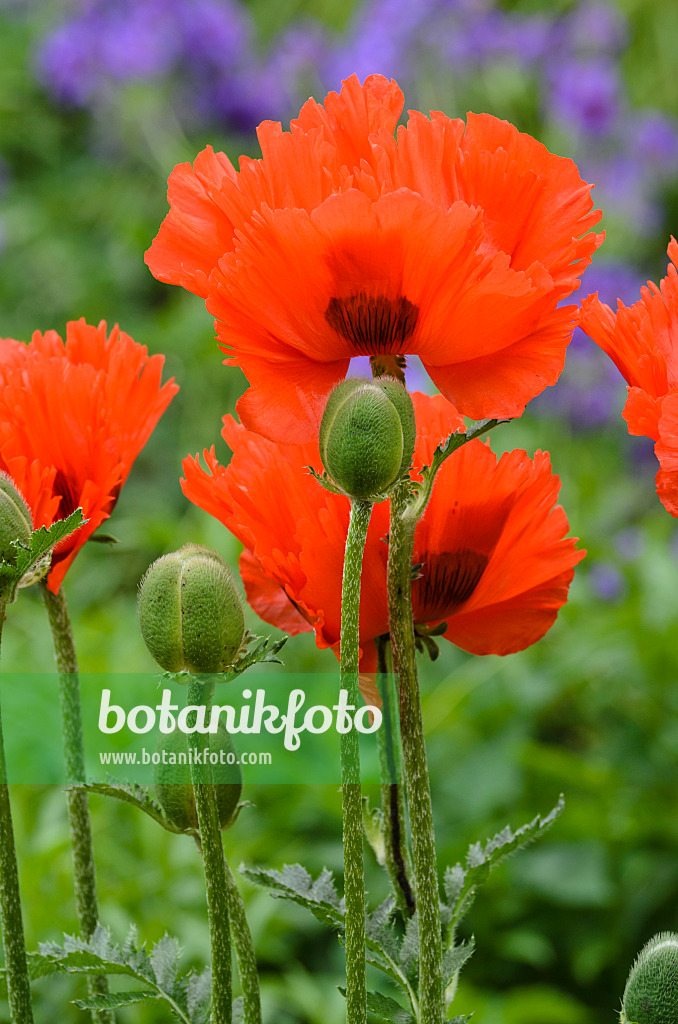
column 591, row 711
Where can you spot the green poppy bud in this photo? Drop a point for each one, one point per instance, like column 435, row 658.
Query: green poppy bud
column 172, row 778
column 651, row 993
column 190, row 613
column 15, row 518
column 367, row 435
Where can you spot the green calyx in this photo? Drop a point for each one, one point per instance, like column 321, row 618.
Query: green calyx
column 651, row 993
column 367, row 435
column 16, row 523
column 172, row 778
column 190, row 613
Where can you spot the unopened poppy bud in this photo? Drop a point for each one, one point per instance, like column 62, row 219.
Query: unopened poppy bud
column 172, row 777
column 15, row 518
column 367, row 435
column 651, row 993
column 190, row 613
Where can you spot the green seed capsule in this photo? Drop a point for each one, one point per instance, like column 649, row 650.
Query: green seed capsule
column 367, row 435
column 651, row 993
column 190, row 613
column 15, row 518
column 173, row 779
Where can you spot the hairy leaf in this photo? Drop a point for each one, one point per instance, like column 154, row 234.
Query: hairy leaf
column 138, row 796
column 461, row 884
column 187, row 996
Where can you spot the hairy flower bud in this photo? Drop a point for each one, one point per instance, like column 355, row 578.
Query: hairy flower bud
column 15, row 518
column 367, row 435
column 172, row 777
column 651, row 993
column 190, row 613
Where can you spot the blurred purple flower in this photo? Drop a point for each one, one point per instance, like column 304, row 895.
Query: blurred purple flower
column 629, row 543
column 606, row 581
column 591, row 392
column 656, row 136
column 596, row 27
column 585, row 96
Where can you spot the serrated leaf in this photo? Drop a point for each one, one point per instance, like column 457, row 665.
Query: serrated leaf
column 454, row 959
column 386, row 1009
column 30, row 563
column 409, row 950
column 199, row 995
column 157, row 970
column 138, row 796
column 265, row 652
column 460, row 885
column 294, row 883
column 165, row 960
column 115, row 999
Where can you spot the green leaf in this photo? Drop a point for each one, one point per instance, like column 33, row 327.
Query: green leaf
column 461, row 884
column 386, row 1009
column 138, row 796
column 157, row 971
column 103, row 538
column 294, row 883
column 199, row 995
column 32, row 561
column 409, row 950
column 265, row 652
column 115, row 999
column 454, row 959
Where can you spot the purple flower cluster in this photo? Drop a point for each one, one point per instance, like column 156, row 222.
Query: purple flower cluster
column 437, row 49
column 207, row 47
column 591, row 391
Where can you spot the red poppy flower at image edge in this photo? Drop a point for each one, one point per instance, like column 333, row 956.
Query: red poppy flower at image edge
column 496, row 561
column 449, row 240
column 74, row 415
column 642, row 340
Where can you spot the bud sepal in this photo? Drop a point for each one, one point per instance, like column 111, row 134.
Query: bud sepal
column 367, row 436
column 190, row 614
column 651, row 993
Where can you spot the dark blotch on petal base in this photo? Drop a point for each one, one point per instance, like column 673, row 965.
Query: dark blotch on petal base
column 373, row 324
column 447, row 581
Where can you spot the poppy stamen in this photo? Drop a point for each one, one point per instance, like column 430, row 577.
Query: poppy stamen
column 373, row 324
column 448, row 581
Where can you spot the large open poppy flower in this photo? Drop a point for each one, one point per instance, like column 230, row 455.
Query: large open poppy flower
column 74, row 415
column 642, row 340
column 452, row 241
column 496, row 562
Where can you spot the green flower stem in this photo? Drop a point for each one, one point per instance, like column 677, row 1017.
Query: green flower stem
column 392, row 796
column 244, row 951
column 200, row 692
column 351, row 793
column 400, row 556
column 18, row 984
column 84, row 872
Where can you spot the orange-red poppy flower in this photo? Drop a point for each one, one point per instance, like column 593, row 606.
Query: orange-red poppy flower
column 74, row 415
column 452, row 241
column 642, row 340
column 496, row 562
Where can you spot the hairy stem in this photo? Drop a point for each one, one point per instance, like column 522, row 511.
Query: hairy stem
column 244, row 951
column 200, row 693
column 18, row 984
column 392, row 796
column 400, row 556
column 84, row 872
column 351, row 793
